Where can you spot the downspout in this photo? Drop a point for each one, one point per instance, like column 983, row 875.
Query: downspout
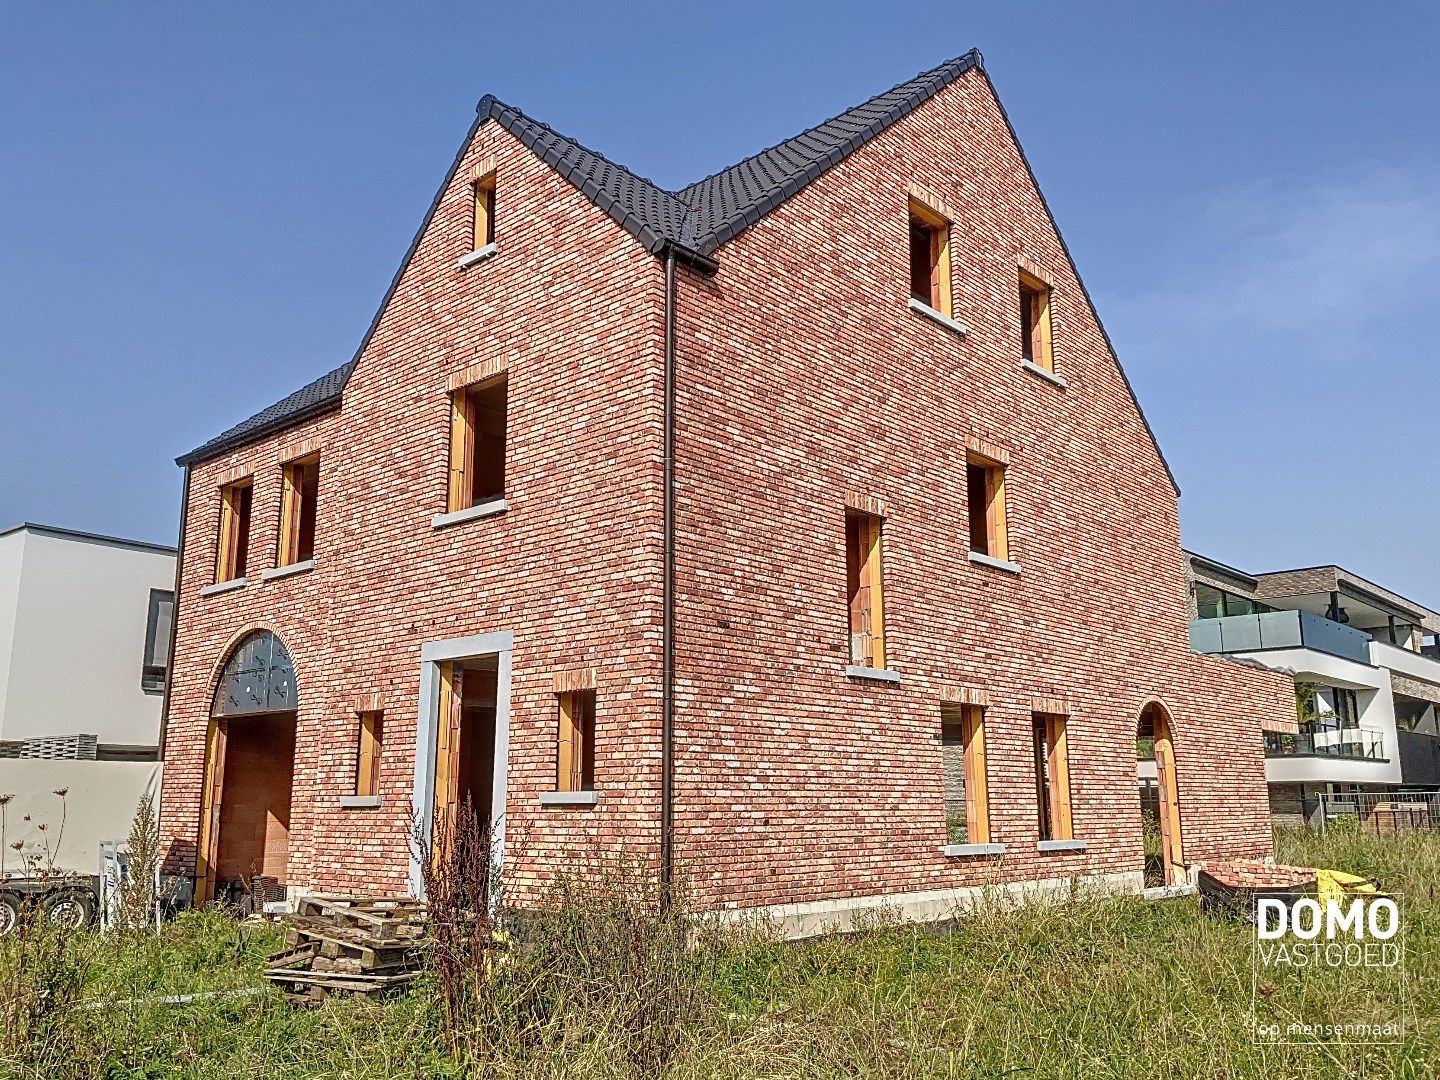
column 707, row 266
column 174, row 619
column 667, row 604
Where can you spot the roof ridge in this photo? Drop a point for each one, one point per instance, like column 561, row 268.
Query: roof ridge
column 738, row 196
column 648, row 212
column 481, row 110
column 973, row 55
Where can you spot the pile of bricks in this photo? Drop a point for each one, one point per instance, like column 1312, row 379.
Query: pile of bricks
column 1258, row 874
column 355, row 944
column 1234, row 888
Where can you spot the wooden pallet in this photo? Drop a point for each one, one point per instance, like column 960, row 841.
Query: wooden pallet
column 382, row 918
column 351, row 944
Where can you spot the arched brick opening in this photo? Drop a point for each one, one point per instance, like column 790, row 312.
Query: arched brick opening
column 1160, row 796
column 249, row 773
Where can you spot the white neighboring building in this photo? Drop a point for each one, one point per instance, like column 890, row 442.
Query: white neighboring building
column 1367, row 672
column 84, row 641
column 84, row 636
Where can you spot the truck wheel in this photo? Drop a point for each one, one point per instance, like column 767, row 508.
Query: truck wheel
column 70, row 910
column 9, row 913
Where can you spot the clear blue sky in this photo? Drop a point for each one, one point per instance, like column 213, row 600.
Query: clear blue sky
column 201, row 205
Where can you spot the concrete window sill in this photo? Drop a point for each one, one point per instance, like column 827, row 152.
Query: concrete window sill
column 873, row 674
column 360, row 802
column 958, row 851
column 1061, row 845
column 569, row 798
column 994, row 564
column 944, row 320
column 478, row 255
column 1048, row 376
column 224, row 586
column 470, row 513
column 287, row 571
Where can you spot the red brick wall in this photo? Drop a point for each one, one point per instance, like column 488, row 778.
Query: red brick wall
column 805, row 377
column 573, row 568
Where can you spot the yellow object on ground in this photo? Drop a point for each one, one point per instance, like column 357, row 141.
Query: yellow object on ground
column 1336, row 885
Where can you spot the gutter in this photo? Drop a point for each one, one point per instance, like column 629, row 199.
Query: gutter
column 174, row 621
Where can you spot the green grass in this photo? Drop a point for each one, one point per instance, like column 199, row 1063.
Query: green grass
column 1095, row 988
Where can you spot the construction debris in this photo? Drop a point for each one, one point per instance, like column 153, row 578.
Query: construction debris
column 360, row 944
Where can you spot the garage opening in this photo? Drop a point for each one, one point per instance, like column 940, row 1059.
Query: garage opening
column 244, row 848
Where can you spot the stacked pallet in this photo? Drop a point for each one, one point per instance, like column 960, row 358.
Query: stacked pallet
column 360, row 944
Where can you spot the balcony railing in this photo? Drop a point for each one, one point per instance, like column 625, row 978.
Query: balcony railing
column 1327, row 741
column 1279, row 630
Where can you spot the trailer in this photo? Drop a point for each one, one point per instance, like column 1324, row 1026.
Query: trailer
column 67, row 900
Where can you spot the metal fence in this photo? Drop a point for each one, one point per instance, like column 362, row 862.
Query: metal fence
column 1376, row 812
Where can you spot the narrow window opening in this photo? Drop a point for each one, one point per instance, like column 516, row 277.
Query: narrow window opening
column 372, row 740
column 484, row 196
column 301, row 500
column 1035, row 322
column 576, row 759
column 477, row 444
column 930, row 259
column 967, row 808
column 985, row 491
column 863, row 588
column 1052, row 777
column 234, row 543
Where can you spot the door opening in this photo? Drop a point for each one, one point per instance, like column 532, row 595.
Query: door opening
column 1159, row 797
column 244, row 848
column 465, row 743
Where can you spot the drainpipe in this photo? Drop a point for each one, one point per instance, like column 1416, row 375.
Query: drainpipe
column 708, row 267
column 667, row 624
column 174, row 618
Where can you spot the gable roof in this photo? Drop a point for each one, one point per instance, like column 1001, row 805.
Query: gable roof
column 693, row 222
column 696, row 220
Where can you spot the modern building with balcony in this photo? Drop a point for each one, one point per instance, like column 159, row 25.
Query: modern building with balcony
column 1367, row 685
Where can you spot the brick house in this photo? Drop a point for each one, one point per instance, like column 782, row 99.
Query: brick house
column 797, row 532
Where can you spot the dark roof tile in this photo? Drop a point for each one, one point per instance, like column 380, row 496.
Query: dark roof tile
column 310, row 400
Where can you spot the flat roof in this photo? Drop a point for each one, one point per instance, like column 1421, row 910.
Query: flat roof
column 88, row 537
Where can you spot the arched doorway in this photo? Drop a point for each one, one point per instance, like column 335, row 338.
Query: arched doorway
column 1159, row 796
column 249, row 769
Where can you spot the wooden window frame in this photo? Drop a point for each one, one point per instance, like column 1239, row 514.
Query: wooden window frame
column 371, row 750
column 1038, row 347
column 970, row 719
column 994, row 512
column 1052, row 776
column 233, row 538
column 461, row 495
column 575, row 749
column 941, row 293
column 292, row 509
column 864, row 586
column 482, row 197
